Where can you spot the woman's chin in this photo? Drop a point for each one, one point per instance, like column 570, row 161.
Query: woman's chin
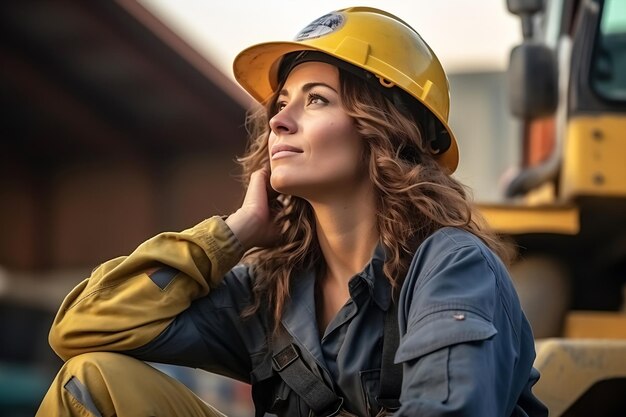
column 281, row 184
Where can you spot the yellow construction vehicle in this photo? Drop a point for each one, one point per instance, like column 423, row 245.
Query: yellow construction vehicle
column 567, row 203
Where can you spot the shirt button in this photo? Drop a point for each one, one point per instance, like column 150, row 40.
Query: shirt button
column 459, row 317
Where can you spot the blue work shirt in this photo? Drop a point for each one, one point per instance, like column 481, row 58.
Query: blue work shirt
column 465, row 345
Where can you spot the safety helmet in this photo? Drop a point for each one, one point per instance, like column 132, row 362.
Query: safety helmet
column 370, row 39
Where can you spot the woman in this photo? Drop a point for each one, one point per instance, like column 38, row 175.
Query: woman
column 354, row 232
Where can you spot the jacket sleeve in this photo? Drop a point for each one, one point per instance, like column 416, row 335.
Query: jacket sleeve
column 458, row 348
column 129, row 301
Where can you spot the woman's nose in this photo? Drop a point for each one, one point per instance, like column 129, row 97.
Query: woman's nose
column 283, row 122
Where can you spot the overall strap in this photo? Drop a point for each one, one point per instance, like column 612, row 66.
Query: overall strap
column 390, row 373
column 288, row 362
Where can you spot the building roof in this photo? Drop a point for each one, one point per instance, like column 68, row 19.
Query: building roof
column 104, row 77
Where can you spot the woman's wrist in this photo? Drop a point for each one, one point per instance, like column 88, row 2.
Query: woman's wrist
column 242, row 226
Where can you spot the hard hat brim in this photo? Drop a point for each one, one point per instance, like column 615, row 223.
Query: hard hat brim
column 256, row 67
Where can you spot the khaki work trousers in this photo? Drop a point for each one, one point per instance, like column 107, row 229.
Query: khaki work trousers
column 103, row 384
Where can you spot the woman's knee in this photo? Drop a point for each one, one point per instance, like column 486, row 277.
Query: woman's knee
column 107, row 384
column 96, row 384
column 105, row 371
column 81, row 387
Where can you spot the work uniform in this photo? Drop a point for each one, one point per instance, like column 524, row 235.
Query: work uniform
column 465, row 345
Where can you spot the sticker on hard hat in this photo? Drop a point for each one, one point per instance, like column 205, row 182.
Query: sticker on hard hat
column 322, row 26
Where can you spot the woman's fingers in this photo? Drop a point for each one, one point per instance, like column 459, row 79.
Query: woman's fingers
column 253, row 223
column 257, row 196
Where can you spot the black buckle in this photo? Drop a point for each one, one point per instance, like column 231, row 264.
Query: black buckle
column 285, row 357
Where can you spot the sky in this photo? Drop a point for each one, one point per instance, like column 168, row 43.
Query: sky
column 467, row 35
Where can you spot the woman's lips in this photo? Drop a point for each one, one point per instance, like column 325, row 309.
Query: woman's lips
column 282, row 151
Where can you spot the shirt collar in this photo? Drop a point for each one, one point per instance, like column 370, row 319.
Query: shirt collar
column 300, row 308
column 302, row 291
column 379, row 286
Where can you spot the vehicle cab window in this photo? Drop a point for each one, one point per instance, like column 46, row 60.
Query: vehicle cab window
column 608, row 75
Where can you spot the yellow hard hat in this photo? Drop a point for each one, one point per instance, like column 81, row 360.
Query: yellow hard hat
column 375, row 41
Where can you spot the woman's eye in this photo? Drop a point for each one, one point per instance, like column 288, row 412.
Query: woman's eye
column 280, row 105
column 316, row 99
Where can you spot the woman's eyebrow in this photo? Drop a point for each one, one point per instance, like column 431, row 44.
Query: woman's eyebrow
column 307, row 87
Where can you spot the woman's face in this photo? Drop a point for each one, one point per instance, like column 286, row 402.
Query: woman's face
column 314, row 148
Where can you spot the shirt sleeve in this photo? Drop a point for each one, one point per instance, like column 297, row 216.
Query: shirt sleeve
column 457, row 347
column 129, row 301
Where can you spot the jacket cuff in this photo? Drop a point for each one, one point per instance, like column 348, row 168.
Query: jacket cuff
column 220, row 244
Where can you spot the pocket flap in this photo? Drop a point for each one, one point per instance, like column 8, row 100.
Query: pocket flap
column 442, row 329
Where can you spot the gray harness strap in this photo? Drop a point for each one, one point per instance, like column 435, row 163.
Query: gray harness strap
column 286, row 360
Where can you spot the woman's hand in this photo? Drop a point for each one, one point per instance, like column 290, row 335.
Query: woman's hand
column 253, row 223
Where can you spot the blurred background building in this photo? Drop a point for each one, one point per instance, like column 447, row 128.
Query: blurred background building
column 113, row 129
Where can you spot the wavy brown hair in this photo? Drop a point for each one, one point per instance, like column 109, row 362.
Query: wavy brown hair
column 414, row 196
